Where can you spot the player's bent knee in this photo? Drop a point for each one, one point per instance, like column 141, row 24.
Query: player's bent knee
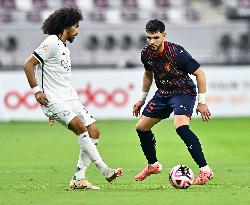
column 180, row 120
column 95, row 134
column 98, row 134
column 177, row 125
column 141, row 128
column 138, row 127
column 78, row 129
column 77, row 126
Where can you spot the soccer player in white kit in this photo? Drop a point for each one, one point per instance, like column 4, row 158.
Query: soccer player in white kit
column 51, row 84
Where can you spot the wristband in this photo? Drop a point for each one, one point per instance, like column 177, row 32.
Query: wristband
column 36, row 89
column 144, row 96
column 202, row 98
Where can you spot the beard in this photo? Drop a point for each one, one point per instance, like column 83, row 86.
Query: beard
column 155, row 48
column 71, row 39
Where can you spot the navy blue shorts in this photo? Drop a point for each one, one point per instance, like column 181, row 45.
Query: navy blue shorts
column 161, row 106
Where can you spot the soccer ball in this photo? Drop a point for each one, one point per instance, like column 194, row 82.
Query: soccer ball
column 181, row 177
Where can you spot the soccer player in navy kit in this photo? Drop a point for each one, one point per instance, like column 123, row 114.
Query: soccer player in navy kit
column 169, row 65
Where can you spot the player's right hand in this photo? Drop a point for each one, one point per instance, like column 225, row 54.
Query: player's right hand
column 137, row 108
column 41, row 98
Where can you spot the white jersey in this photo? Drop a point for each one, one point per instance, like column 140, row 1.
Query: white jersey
column 54, row 71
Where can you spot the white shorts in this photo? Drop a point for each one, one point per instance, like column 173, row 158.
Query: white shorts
column 65, row 111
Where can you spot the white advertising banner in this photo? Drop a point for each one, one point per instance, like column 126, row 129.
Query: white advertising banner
column 228, row 90
column 110, row 94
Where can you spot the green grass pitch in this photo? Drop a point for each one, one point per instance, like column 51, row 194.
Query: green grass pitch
column 37, row 162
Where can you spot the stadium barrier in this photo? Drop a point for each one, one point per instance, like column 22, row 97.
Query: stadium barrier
column 110, row 94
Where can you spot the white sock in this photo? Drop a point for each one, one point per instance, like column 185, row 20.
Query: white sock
column 83, row 163
column 205, row 169
column 95, row 141
column 87, row 146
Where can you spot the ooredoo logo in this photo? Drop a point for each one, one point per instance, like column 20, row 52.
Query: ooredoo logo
column 13, row 100
column 98, row 97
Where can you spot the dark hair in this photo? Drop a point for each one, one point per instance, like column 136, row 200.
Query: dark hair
column 154, row 26
column 61, row 19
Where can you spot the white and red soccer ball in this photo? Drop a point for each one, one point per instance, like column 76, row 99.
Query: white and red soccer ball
column 181, row 177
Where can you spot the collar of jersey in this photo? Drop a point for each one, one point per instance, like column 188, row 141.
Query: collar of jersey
column 62, row 41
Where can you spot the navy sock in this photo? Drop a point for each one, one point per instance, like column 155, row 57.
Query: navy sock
column 193, row 144
column 148, row 141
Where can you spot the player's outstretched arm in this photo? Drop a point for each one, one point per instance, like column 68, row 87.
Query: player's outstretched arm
column 146, row 84
column 201, row 85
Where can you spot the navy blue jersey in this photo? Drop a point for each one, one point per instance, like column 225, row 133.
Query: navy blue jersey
column 171, row 68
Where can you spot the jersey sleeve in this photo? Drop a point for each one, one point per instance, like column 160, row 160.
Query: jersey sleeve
column 186, row 62
column 46, row 50
column 145, row 63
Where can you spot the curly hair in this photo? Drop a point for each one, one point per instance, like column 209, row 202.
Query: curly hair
column 154, row 26
column 61, row 19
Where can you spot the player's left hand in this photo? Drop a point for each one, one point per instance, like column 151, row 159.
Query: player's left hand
column 205, row 113
column 51, row 122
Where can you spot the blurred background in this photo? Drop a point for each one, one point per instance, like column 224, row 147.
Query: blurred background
column 106, row 54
